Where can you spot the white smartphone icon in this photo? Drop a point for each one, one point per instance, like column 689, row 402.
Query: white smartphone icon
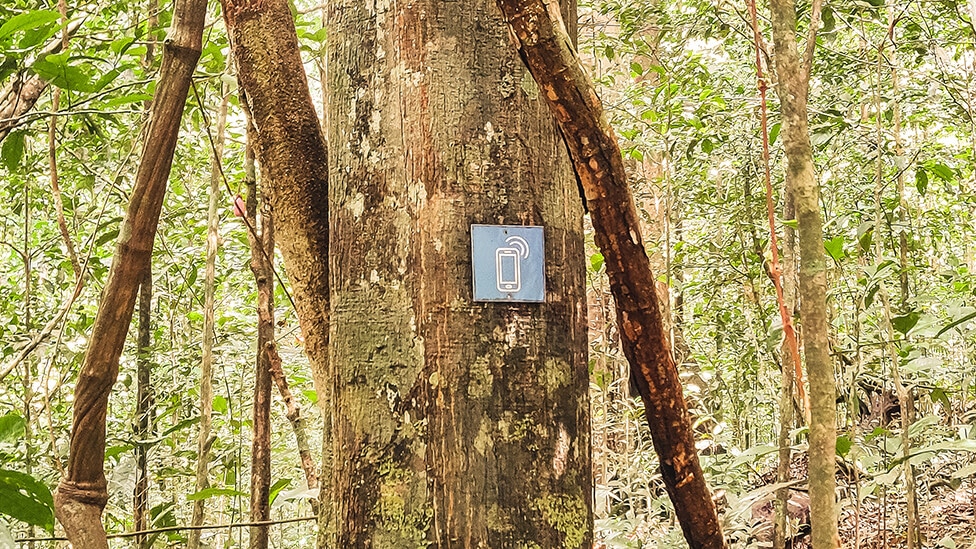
column 508, row 270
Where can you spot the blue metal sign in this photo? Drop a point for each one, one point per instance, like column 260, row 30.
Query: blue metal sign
column 508, row 263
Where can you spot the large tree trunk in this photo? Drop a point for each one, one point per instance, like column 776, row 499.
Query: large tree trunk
column 81, row 496
column 793, row 88
column 542, row 40
column 456, row 424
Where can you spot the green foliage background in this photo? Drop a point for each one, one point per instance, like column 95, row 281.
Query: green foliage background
column 678, row 81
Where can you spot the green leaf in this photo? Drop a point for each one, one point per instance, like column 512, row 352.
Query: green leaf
column 904, row 323
column 921, row 425
column 829, row 22
column 27, row 21
column 34, row 37
column 220, row 404
column 276, row 488
column 707, row 146
column 26, row 499
column 106, row 237
column 835, row 247
column 964, row 472
column 596, row 262
column 939, row 395
column 941, row 171
column 921, row 181
column 12, row 427
column 958, row 445
column 13, row 150
column 106, row 79
column 774, row 132
column 844, row 444
column 636, row 69
column 956, row 322
column 213, row 492
column 117, row 450
column 947, row 542
column 119, row 45
column 56, row 70
column 865, row 234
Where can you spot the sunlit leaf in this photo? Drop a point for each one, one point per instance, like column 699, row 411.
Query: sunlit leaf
column 12, row 427
column 596, row 262
column 904, row 323
column 220, row 404
column 835, row 247
column 277, row 487
column 27, row 21
column 26, row 499
column 13, row 150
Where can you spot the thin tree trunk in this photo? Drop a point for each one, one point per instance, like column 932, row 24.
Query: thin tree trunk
column 145, row 398
column 145, row 405
column 786, row 405
column 294, row 168
column 905, row 401
column 793, row 89
column 262, row 249
column 82, row 495
column 53, row 159
column 297, row 420
column 542, row 41
column 204, row 437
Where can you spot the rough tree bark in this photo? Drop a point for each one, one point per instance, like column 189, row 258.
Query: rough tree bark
column 793, row 88
column 82, row 495
column 457, row 424
column 292, row 154
column 542, row 41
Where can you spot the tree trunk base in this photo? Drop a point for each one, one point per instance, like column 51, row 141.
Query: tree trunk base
column 79, row 509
